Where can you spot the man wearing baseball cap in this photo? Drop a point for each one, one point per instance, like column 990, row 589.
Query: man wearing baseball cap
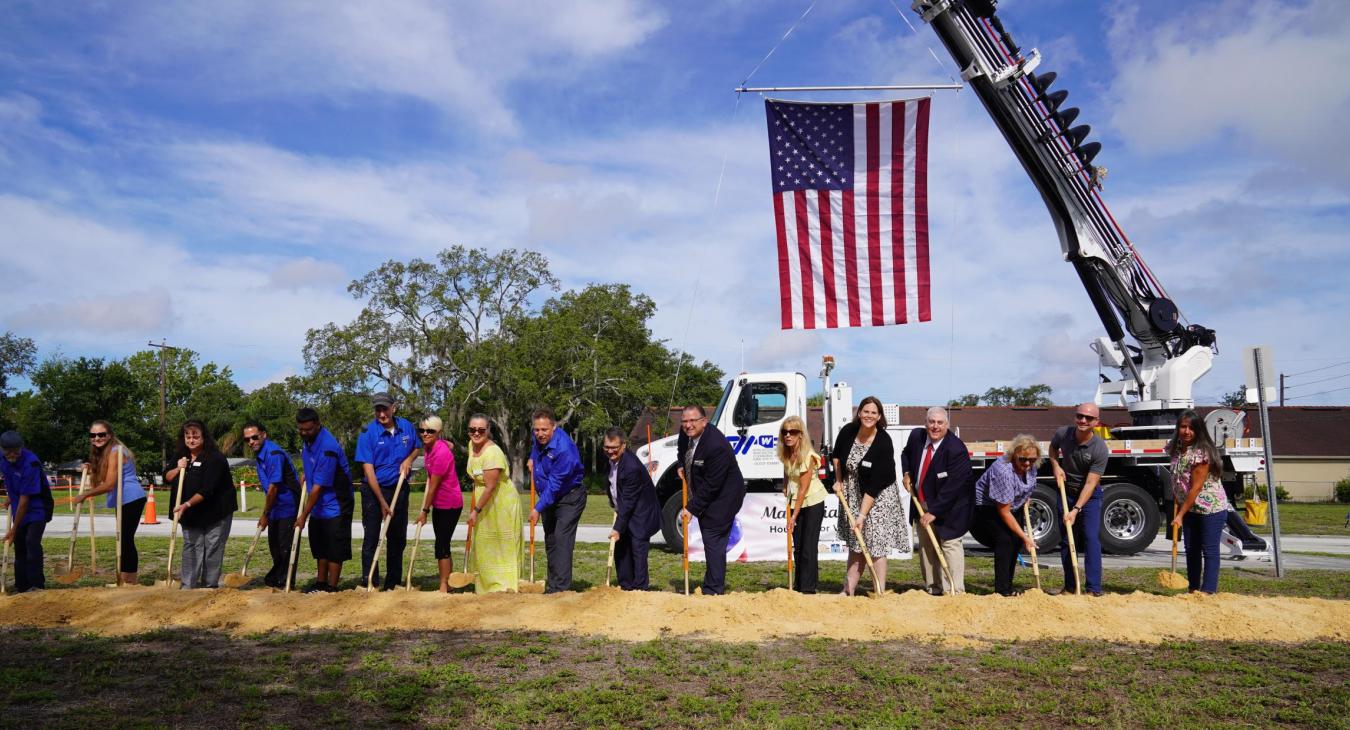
column 386, row 450
column 30, row 509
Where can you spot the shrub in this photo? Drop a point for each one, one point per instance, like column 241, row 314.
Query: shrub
column 1281, row 493
column 1343, row 490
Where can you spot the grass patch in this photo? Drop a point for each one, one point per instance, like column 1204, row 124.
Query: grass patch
column 396, row 679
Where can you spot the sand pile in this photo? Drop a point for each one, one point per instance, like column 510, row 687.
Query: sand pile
column 615, row 614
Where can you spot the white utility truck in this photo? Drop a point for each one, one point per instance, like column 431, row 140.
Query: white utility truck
column 753, row 406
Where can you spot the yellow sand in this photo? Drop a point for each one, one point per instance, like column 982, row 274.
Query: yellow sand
column 961, row 619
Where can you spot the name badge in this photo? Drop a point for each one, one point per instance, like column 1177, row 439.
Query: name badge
column 698, row 462
column 942, row 475
column 477, row 473
column 196, row 463
column 866, row 463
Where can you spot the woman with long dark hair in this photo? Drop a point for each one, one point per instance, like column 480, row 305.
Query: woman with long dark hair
column 864, row 462
column 102, row 468
column 1202, row 505
column 208, row 505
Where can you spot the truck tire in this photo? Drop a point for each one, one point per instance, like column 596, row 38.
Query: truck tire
column 671, row 529
column 1130, row 519
column 1044, row 528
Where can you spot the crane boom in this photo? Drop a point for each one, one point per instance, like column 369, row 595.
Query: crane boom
column 1157, row 372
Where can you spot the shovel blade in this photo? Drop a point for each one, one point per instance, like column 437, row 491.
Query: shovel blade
column 237, row 580
column 1168, row 579
column 66, row 579
column 527, row 586
column 460, row 580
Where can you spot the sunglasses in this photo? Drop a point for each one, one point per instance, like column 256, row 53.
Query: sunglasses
column 476, row 431
column 792, row 432
column 1027, row 459
column 254, row 437
column 98, row 435
column 429, row 430
column 1083, row 417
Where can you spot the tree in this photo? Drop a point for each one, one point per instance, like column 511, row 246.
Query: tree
column 207, row 393
column 71, row 394
column 17, row 356
column 815, row 400
column 458, row 336
column 1236, row 399
column 1037, row 395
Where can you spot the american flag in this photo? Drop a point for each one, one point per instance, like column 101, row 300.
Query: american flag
column 850, row 201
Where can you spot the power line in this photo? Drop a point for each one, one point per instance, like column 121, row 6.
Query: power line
column 1328, row 367
column 1309, row 395
column 1323, row 380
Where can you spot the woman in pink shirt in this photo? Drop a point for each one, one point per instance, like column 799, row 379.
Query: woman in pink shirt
column 443, row 493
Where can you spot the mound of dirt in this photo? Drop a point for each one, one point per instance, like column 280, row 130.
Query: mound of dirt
column 1136, row 617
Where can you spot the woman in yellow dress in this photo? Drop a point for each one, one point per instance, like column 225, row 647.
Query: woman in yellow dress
column 494, row 516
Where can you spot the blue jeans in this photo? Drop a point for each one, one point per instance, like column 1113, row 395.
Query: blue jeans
column 1090, row 519
column 1201, row 533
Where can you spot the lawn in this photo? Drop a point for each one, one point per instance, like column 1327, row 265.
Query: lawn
column 666, row 572
column 514, row 679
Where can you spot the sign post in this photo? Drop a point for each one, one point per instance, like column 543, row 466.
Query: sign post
column 1260, row 365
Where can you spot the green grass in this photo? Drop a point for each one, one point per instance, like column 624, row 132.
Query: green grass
column 1305, row 518
column 666, row 573
column 59, row 678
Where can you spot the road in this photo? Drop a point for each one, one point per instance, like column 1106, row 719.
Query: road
column 1158, row 554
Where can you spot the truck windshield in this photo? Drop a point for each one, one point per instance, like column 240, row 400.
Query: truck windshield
column 717, row 414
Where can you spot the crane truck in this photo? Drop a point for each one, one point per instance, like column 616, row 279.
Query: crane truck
column 1155, row 369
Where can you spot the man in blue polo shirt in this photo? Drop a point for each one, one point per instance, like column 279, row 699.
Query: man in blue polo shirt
column 386, row 450
column 30, row 509
column 277, row 477
column 329, row 500
column 561, row 496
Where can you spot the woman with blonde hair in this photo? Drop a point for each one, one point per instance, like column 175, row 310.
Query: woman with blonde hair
column 102, row 467
column 806, row 500
column 494, row 515
column 999, row 494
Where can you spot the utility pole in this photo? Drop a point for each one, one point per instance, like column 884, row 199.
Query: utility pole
column 1281, row 390
column 163, row 439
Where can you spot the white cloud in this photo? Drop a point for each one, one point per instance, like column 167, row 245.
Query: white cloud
column 307, row 273
column 1266, row 73
column 130, row 312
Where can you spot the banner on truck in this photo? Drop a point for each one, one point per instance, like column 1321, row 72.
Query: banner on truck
column 759, row 532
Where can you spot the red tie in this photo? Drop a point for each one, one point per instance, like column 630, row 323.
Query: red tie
column 923, row 471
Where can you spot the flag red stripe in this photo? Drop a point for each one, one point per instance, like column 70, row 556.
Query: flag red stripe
column 874, row 212
column 784, row 282
column 920, row 222
column 851, row 260
column 804, row 257
column 897, row 203
column 827, row 258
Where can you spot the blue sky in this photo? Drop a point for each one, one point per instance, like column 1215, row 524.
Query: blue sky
column 215, row 173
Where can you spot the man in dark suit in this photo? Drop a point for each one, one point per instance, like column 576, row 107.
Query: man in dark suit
column 938, row 466
column 637, row 517
column 716, row 490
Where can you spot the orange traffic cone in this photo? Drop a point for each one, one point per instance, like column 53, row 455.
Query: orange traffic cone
column 150, row 517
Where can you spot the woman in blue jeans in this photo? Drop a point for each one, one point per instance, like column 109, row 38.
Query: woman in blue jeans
column 1202, row 504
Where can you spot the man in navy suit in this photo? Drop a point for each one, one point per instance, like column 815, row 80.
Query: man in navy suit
column 938, row 466
column 716, row 490
column 637, row 517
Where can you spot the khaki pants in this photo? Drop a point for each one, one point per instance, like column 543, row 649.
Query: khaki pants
column 933, row 578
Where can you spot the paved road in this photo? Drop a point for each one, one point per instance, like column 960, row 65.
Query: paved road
column 1158, row 554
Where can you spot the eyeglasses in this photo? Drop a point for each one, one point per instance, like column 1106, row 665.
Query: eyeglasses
column 98, row 434
column 254, row 437
column 1084, row 417
column 611, row 449
column 429, row 430
column 1027, row 459
column 792, row 432
column 693, row 420
column 475, row 431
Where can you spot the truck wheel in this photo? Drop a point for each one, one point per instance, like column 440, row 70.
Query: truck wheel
column 671, row 528
column 1130, row 519
column 1044, row 526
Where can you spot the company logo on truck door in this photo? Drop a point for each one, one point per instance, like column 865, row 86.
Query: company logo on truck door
column 742, row 445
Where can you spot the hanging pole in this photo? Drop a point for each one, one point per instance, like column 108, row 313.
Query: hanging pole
column 898, row 87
